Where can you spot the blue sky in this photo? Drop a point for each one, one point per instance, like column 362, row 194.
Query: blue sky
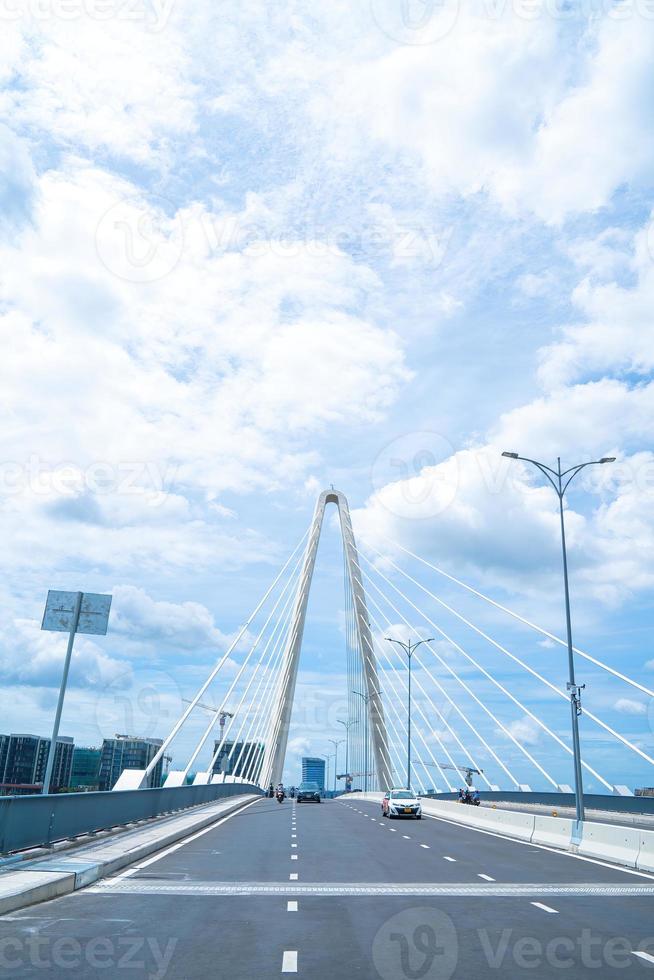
column 248, row 252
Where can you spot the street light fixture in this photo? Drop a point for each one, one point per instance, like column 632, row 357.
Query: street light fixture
column 347, row 725
column 336, row 742
column 366, row 698
column 409, row 648
column 558, row 480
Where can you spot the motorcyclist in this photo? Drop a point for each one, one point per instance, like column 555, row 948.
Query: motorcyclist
column 279, row 792
column 462, row 798
column 271, row 791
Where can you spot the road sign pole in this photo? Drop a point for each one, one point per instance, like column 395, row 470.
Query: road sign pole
column 62, row 693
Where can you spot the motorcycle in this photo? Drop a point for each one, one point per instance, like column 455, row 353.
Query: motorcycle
column 279, row 796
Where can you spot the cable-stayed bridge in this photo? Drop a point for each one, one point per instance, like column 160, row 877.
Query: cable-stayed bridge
column 217, row 879
column 467, row 683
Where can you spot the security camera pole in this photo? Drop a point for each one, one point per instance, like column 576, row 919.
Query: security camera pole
column 558, row 480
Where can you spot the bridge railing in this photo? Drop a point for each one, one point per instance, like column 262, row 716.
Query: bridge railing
column 33, row 821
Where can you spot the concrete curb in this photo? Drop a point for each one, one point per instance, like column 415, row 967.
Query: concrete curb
column 52, row 877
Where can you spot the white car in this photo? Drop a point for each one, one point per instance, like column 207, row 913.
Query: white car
column 401, row 803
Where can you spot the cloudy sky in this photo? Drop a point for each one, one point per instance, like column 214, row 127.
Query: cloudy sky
column 249, row 251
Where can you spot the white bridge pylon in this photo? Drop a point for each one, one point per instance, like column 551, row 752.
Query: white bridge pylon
column 275, row 713
column 275, row 751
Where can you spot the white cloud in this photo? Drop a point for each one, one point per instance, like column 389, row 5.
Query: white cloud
column 524, row 730
column 627, row 706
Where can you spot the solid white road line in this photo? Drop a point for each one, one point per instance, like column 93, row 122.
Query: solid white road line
column 541, row 847
column 291, row 907
column 643, row 956
column 486, row 877
column 446, row 858
column 182, row 843
column 293, row 877
column 289, row 961
column 545, row 908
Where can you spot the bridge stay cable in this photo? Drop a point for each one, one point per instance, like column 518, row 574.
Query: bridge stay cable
column 598, row 721
column 526, row 622
column 520, row 704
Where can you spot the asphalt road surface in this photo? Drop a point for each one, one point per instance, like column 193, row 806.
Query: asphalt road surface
column 335, row 891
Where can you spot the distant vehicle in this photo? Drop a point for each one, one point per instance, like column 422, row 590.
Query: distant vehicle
column 308, row 793
column 401, row 803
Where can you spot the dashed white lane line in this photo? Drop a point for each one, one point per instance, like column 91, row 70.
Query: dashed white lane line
column 293, row 877
column 293, row 857
column 293, row 845
column 486, row 877
column 643, row 956
column 446, row 858
column 426, row 846
column 291, row 907
column 289, row 961
column 545, row 908
column 406, row 837
column 293, row 835
column 392, row 830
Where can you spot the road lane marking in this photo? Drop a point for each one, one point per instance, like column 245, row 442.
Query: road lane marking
column 446, row 858
column 293, row 857
column 289, row 961
column 533, row 890
column 293, row 835
column 541, row 847
column 392, row 830
column 291, row 907
column 293, row 845
column 187, row 840
column 485, row 877
column 426, row 846
column 293, row 877
column 545, row 908
column 406, row 837
column 643, row 956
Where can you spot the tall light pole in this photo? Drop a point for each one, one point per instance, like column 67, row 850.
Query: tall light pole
column 409, row 648
column 558, row 480
column 326, row 758
column 366, row 698
column 336, row 742
column 347, row 725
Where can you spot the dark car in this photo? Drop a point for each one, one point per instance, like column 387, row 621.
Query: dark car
column 308, row 793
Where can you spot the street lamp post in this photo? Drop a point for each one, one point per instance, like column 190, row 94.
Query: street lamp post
column 347, row 725
column 558, row 480
column 326, row 758
column 409, row 648
column 366, row 698
column 336, row 742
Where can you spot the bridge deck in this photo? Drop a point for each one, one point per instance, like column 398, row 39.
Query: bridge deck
column 350, row 894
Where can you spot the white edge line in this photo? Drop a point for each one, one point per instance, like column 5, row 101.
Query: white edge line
column 643, row 956
column 182, row 843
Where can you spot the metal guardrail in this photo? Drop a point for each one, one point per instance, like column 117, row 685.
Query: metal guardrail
column 34, row 821
column 592, row 801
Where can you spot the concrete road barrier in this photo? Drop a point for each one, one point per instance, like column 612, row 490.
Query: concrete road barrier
column 610, row 843
column 645, row 860
column 552, row 831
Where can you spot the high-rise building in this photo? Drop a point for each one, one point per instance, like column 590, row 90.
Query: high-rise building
column 128, row 752
column 86, row 768
column 247, row 757
column 25, row 760
column 313, row 771
column 4, row 746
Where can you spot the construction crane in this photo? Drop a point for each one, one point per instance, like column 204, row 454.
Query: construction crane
column 468, row 770
column 221, row 718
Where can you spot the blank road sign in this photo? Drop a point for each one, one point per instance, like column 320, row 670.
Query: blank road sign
column 60, row 611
